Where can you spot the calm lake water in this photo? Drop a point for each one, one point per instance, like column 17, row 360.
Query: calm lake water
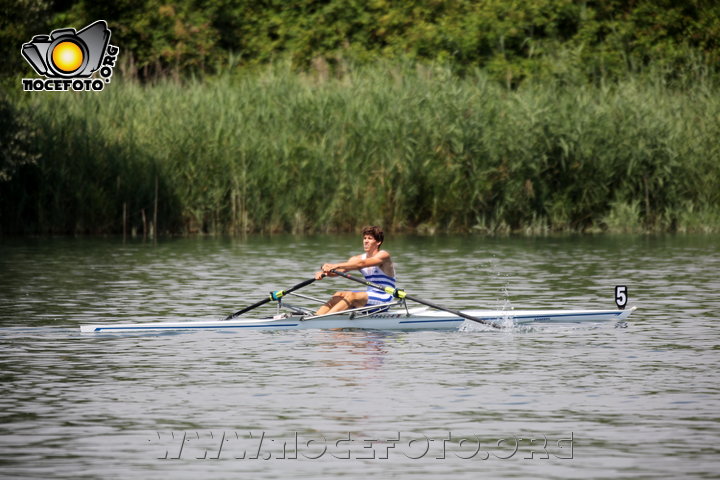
column 556, row 401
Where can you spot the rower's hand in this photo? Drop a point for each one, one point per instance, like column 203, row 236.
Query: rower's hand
column 320, row 275
column 328, row 267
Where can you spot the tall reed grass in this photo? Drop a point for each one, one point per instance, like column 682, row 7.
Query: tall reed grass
column 411, row 148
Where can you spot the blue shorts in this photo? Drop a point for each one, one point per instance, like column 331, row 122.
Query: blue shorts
column 376, row 297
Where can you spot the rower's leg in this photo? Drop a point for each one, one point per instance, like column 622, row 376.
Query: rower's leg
column 351, row 300
column 343, row 301
column 330, row 304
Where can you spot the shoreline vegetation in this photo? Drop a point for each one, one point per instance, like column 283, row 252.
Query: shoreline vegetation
column 413, row 148
column 491, row 117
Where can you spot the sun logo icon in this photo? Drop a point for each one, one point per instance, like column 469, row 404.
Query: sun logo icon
column 67, row 57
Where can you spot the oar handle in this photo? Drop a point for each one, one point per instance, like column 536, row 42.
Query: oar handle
column 399, row 293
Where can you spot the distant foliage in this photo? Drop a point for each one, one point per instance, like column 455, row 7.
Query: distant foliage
column 513, row 41
column 308, row 115
column 20, row 20
column 18, row 137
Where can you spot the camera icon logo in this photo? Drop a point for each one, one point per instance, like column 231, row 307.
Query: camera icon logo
column 66, row 53
column 68, row 58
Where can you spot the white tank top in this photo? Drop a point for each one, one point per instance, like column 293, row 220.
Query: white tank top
column 376, row 275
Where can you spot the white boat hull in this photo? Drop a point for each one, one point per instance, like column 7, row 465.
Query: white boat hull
column 399, row 320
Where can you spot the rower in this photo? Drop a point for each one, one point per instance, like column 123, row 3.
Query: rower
column 375, row 265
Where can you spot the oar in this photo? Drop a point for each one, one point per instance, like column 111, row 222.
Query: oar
column 398, row 293
column 273, row 296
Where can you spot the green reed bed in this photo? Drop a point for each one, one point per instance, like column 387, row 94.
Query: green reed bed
column 408, row 148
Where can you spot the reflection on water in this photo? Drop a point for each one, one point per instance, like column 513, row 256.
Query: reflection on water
column 636, row 401
column 365, row 350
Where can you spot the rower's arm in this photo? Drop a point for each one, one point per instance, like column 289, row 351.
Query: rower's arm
column 343, row 267
column 357, row 262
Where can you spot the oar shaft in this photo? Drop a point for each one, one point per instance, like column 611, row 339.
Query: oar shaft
column 450, row 310
column 273, row 296
column 401, row 294
column 247, row 309
column 391, row 291
column 298, row 286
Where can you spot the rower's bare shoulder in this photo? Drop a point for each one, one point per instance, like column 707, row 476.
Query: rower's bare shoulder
column 387, row 263
column 383, row 254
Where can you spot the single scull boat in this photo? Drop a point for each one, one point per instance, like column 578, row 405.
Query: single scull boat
column 393, row 315
column 397, row 319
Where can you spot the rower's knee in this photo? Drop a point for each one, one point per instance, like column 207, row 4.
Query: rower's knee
column 354, row 299
column 351, row 299
column 349, row 296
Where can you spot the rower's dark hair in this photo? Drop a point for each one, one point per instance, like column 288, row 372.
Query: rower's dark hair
column 376, row 233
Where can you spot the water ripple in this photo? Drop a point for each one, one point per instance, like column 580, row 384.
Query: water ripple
column 638, row 401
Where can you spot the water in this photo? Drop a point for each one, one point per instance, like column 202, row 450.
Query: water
column 564, row 401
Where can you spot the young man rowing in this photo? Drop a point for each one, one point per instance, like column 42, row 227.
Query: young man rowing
column 375, row 265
